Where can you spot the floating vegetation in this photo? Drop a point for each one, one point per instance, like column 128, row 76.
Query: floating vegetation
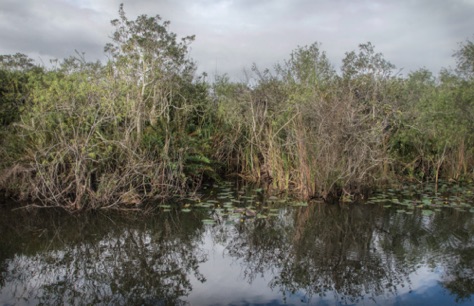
column 205, row 205
column 427, row 212
column 235, row 215
column 426, row 201
column 427, row 198
column 228, row 207
column 248, row 197
column 209, row 221
column 300, row 204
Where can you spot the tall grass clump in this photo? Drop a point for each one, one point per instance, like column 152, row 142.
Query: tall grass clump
column 306, row 128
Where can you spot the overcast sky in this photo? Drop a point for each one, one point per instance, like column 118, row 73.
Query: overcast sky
column 233, row 34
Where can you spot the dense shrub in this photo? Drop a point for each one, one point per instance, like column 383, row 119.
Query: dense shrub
column 143, row 127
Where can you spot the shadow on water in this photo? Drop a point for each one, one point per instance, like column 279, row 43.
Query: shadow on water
column 320, row 254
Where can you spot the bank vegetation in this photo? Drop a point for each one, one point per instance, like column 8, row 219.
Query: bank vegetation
column 145, row 127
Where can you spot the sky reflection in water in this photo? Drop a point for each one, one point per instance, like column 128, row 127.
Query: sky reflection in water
column 315, row 255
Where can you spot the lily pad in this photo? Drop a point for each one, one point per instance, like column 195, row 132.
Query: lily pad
column 300, row 204
column 426, row 201
column 427, row 212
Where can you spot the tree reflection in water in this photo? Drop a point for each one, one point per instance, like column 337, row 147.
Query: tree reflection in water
column 112, row 261
column 355, row 252
column 346, row 254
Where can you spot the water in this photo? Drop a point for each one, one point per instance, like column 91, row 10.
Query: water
column 316, row 255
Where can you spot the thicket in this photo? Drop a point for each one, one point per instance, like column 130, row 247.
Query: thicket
column 144, row 127
column 90, row 135
column 306, row 128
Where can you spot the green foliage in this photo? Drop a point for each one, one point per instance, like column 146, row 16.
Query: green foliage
column 308, row 129
column 142, row 126
column 16, row 62
column 152, row 64
column 321, row 134
column 465, row 60
column 434, row 135
column 16, row 71
column 95, row 136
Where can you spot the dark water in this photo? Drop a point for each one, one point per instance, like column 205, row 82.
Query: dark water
column 316, row 255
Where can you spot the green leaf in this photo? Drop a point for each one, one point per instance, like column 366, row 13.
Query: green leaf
column 426, row 201
column 300, row 204
column 209, row 221
column 427, row 212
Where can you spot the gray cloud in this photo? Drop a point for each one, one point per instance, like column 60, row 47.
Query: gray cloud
column 233, row 34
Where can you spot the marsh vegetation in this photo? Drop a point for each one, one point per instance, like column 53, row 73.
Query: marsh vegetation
column 143, row 127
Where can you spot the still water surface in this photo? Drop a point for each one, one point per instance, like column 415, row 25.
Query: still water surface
column 221, row 255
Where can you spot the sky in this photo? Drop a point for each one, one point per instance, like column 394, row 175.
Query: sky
column 231, row 35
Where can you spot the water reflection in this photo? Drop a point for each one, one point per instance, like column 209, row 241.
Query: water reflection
column 321, row 254
column 101, row 260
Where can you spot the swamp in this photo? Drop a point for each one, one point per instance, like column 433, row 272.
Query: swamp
column 136, row 181
column 237, row 247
